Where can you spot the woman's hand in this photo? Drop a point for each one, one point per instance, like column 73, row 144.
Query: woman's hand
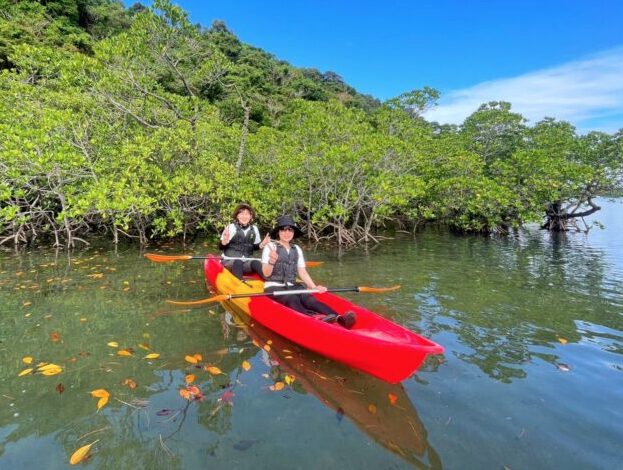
column 226, row 236
column 265, row 241
column 273, row 256
column 320, row 289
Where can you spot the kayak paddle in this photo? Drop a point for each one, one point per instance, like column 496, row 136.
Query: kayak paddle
column 222, row 297
column 170, row 258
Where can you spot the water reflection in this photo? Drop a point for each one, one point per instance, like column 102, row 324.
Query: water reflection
column 382, row 411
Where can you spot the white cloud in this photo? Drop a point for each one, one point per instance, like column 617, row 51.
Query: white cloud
column 588, row 93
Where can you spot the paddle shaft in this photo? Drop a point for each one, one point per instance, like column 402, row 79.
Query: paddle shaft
column 278, row 293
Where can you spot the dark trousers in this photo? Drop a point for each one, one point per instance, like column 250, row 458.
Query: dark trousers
column 240, row 267
column 303, row 303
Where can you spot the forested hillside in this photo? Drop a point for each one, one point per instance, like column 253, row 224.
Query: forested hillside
column 136, row 123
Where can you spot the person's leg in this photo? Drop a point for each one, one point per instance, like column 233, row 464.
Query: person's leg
column 255, row 266
column 237, row 268
column 290, row 301
column 312, row 303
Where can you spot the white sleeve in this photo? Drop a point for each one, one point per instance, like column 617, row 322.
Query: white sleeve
column 258, row 239
column 301, row 262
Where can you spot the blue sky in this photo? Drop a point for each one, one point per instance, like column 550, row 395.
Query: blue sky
column 559, row 58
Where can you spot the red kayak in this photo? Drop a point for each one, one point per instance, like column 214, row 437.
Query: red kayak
column 374, row 344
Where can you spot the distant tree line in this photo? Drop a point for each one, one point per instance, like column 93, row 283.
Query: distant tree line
column 133, row 122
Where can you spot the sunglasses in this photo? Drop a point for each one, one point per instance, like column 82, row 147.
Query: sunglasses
column 286, row 229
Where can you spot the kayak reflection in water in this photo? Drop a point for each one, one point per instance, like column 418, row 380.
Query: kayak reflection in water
column 239, row 240
column 282, row 262
column 382, row 411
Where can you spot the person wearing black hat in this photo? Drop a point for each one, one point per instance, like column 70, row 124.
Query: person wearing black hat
column 282, row 262
column 239, row 240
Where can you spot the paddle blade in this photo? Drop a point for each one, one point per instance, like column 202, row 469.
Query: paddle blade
column 377, row 290
column 166, row 258
column 209, row 300
column 313, row 264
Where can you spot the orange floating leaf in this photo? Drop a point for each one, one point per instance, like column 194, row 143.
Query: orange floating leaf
column 213, row 370
column 25, row 372
column 185, row 394
column 60, row 388
column 198, row 357
column 124, row 352
column 113, row 344
column 152, row 356
column 392, row 399
column 130, row 383
column 246, row 365
column 27, row 360
column 563, row 340
column 267, row 347
column 100, row 393
column 372, row 408
column 278, row 386
column 55, row 336
column 191, row 359
column 81, row 454
column 190, row 378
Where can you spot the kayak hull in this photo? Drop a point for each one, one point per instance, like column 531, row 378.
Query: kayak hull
column 374, row 345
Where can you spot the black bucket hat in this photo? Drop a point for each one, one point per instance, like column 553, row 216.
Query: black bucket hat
column 285, row 221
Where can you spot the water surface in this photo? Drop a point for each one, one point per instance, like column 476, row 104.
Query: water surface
column 532, row 376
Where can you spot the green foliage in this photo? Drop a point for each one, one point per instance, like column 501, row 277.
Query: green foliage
column 138, row 123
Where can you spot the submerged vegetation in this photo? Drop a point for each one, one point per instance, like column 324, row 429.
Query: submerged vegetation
column 136, row 123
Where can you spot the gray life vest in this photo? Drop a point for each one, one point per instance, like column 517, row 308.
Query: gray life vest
column 285, row 269
column 241, row 244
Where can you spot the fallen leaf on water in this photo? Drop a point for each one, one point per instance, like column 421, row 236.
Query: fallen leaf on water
column 392, row 399
column 198, row 357
column 55, row 336
column 113, row 344
column 60, row 388
column 289, row 379
column 191, row 359
column 563, row 367
column 102, row 402
column 246, row 365
column 144, row 346
column 287, row 351
column 562, row 340
column 100, row 393
column 96, row 275
column 228, row 397
column 50, row 369
column 27, row 360
column 213, row 370
column 146, row 335
column 83, row 320
column 152, row 356
column 25, row 372
column 191, row 392
column 372, row 408
column 190, row 378
column 130, row 383
column 28, row 303
column 79, row 455
column 266, row 347
column 278, row 386
column 124, row 352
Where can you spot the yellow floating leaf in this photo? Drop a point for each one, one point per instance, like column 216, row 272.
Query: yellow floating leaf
column 146, row 335
column 563, row 340
column 52, row 371
column 124, row 352
column 79, row 455
column 267, row 347
column 213, row 370
column 83, row 320
column 28, row 303
column 287, row 351
column 289, row 379
column 25, row 372
column 185, row 394
column 392, row 399
column 144, row 346
column 246, row 365
column 288, row 357
column 152, row 356
column 278, row 386
column 198, row 357
column 190, row 378
column 102, row 402
column 191, row 359
column 27, row 360
column 113, row 344
column 372, row 408
column 100, row 393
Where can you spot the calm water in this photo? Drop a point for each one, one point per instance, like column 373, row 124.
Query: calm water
column 532, row 376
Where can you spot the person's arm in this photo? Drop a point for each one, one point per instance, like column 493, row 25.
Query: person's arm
column 269, row 259
column 304, row 275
